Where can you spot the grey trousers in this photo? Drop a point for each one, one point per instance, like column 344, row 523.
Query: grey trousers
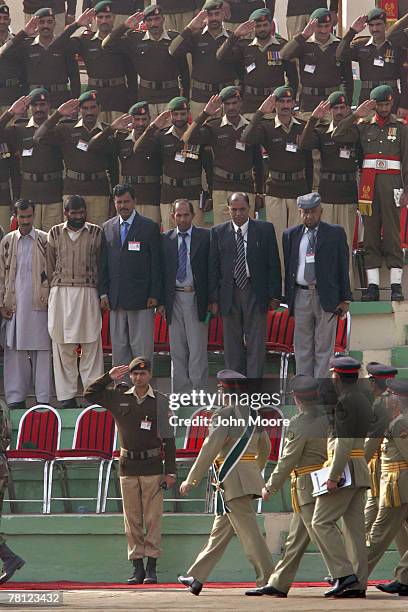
column 188, row 345
column 21, row 372
column 245, row 322
column 314, row 335
column 132, row 333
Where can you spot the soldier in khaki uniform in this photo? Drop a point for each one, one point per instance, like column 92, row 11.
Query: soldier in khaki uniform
column 245, row 451
column 393, row 500
column 305, row 451
column 142, row 418
column 383, row 185
column 345, row 554
column 299, row 11
column 11, row 561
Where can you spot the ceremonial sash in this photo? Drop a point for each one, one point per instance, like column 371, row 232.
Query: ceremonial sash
column 391, row 9
column 374, row 469
column 229, row 463
column 391, row 473
column 374, row 164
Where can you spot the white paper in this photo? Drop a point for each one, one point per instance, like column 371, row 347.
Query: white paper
column 146, row 425
column 378, row 61
column 133, row 246
column 251, row 67
column 309, row 68
column 320, row 478
column 345, row 153
column 240, row 145
column 180, row 158
column 82, row 145
column 26, row 153
column 310, row 259
column 291, row 147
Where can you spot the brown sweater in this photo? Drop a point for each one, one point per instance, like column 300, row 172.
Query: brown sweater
column 128, row 415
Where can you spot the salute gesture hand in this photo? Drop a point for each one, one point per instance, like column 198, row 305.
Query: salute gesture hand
column 310, row 29
column 198, row 22
column 69, row 107
column 268, row 105
column 359, row 24
column 322, row 110
column 20, row 106
column 213, row 105
column 133, row 22
column 245, row 28
column 124, row 122
column 31, row 26
column 118, row 372
column 365, row 109
column 85, row 19
column 163, row 120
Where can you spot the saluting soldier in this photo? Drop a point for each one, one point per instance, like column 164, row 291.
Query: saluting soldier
column 41, row 165
column 203, row 37
column 64, row 11
column 238, row 11
column 182, row 163
column 161, row 76
column 44, row 66
column 236, row 165
column 141, row 171
column 383, row 185
column 304, row 452
column 238, row 455
column 393, row 500
column 298, row 14
column 380, row 62
column 147, row 459
column 108, row 73
column 12, row 75
column 178, row 13
column 87, row 174
column 120, row 8
column 262, row 69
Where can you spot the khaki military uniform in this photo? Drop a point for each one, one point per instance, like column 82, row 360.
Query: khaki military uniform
column 241, row 486
column 5, row 437
column 303, row 453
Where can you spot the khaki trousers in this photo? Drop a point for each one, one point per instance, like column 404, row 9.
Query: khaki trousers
column 167, row 220
column 59, row 22
column 220, row 206
column 97, row 208
column 47, row 215
column 5, row 215
column 240, row 521
column 283, row 213
column 296, row 24
column 386, row 526
column 370, row 514
column 344, row 552
column 142, row 509
column 178, row 21
column 65, row 360
column 150, row 211
column 344, row 215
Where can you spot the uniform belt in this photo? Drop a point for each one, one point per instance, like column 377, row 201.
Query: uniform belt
column 300, row 471
column 232, row 176
column 287, row 176
column 245, row 457
column 147, row 454
column 141, row 180
column 181, row 182
column 158, row 84
column 185, row 289
column 258, row 91
column 41, row 178
column 85, row 176
column 394, row 466
column 9, row 83
column 318, row 91
column 374, row 469
column 382, row 164
column 339, row 177
column 307, row 469
column 357, row 452
column 114, row 82
column 372, row 84
column 392, row 493
column 52, row 87
column 210, row 87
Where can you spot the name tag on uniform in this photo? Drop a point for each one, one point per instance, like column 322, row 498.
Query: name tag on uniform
column 133, row 246
column 378, row 61
column 345, row 153
column 310, row 258
column 240, row 145
column 291, row 147
column 26, row 153
column 310, row 68
column 82, row 145
column 251, row 67
column 180, row 158
column 146, row 425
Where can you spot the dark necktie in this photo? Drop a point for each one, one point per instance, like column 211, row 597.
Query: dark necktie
column 123, row 231
column 182, row 259
column 310, row 272
column 240, row 273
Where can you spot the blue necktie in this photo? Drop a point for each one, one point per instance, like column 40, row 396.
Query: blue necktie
column 182, row 260
column 123, row 231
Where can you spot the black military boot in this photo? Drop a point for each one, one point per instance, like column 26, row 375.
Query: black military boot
column 371, row 294
column 11, row 563
column 138, row 572
column 151, row 576
column 396, row 293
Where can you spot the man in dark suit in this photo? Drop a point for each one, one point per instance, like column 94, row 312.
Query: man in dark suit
column 244, row 282
column 317, row 285
column 130, row 277
column 185, row 303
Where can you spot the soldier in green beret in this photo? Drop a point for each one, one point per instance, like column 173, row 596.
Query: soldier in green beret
column 63, row 10
column 298, row 14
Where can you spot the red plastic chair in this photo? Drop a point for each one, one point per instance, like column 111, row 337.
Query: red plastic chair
column 279, row 340
column 38, row 440
column 342, row 343
column 215, row 335
column 161, row 334
column 94, row 440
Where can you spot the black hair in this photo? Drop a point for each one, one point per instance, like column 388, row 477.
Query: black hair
column 74, row 202
column 179, row 201
column 243, row 195
column 120, row 190
column 23, row 204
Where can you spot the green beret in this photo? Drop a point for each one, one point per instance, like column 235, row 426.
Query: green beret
column 230, row 92
column 4, row 9
column 39, row 94
column 382, row 93
column 152, row 10
column 261, row 14
column 376, row 13
column 140, row 363
column 337, row 97
column 322, row 15
column 88, row 95
column 283, row 92
column 212, row 5
column 140, row 108
column 178, row 103
column 44, row 12
column 104, row 7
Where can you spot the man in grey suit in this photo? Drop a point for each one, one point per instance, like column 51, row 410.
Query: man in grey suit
column 185, row 303
column 244, row 283
column 130, row 277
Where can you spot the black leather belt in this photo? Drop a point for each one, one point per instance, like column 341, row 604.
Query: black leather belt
column 147, row 454
column 41, row 178
column 85, row 176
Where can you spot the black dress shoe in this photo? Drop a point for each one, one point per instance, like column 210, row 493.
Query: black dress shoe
column 341, row 584
column 11, row 563
column 329, row 580
column 138, row 572
column 151, row 576
column 396, row 293
column 69, row 403
column 351, row 594
column 266, row 590
column 394, row 588
column 371, row 294
column 194, row 586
